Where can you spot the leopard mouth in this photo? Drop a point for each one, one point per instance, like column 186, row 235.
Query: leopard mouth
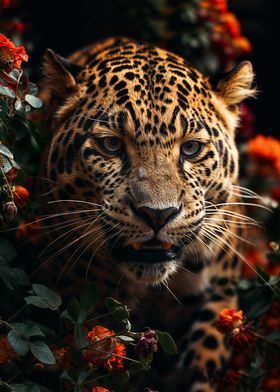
column 151, row 252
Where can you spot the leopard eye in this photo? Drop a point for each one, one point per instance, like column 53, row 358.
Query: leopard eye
column 112, row 144
column 191, row 149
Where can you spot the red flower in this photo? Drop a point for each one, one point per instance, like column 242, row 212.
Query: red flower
column 265, row 149
column 20, row 194
column 241, row 334
column 99, row 389
column 6, row 352
column 10, row 56
column 229, row 319
column 12, row 174
column 230, row 379
column 147, row 344
column 103, row 350
column 242, row 337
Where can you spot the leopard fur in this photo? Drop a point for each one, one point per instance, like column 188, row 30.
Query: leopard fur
column 124, row 119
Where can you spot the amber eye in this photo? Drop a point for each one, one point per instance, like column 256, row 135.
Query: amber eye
column 191, row 149
column 112, row 144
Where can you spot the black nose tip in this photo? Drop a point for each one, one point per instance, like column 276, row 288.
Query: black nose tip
column 156, row 218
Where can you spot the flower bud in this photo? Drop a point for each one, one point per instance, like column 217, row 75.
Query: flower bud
column 9, row 211
column 20, row 194
column 147, row 344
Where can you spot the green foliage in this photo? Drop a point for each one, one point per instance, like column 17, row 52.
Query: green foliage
column 167, row 343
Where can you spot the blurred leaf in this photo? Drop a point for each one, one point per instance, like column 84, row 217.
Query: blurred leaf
column 7, row 91
column 111, row 303
column 167, row 343
column 75, row 376
column 80, row 337
column 52, row 298
column 89, row 298
column 3, row 108
column 42, row 352
column 73, row 310
column 35, row 102
column 20, row 127
column 25, row 387
column 8, row 252
column 37, row 301
column 27, row 329
column 12, row 277
column 120, row 311
column 19, row 345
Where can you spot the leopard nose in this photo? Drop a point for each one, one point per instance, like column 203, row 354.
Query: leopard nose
column 156, row 218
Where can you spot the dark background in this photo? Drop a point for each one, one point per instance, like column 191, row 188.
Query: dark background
column 67, row 25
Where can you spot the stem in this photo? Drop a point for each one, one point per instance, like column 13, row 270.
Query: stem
column 267, row 340
column 17, row 312
column 6, row 324
column 6, row 385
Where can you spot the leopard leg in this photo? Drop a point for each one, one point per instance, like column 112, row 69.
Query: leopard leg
column 204, row 346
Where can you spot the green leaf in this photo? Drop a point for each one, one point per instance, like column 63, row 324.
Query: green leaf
column 120, row 311
column 37, row 301
column 42, row 352
column 262, row 275
column 27, row 329
column 25, row 387
column 3, row 108
column 8, row 252
column 13, row 277
column 52, row 298
column 19, row 345
column 112, row 304
column 73, row 309
column 167, row 343
column 89, row 298
column 80, row 337
column 35, row 102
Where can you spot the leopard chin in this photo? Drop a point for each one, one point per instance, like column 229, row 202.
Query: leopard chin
column 149, row 274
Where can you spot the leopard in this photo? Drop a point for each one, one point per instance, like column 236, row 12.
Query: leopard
column 142, row 168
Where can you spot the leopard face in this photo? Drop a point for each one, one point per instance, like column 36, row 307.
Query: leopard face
column 146, row 144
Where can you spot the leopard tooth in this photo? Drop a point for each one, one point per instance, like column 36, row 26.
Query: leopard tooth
column 165, row 245
column 136, row 245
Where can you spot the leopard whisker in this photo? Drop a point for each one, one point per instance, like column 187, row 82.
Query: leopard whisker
column 73, row 201
column 243, row 204
column 221, row 230
column 165, row 284
column 245, row 261
column 75, row 252
column 99, row 246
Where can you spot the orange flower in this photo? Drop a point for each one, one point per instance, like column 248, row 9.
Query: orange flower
column 62, row 357
column 243, row 44
column 6, row 352
column 20, row 194
column 10, row 56
column 103, row 350
column 29, row 230
column 99, row 389
column 265, row 149
column 229, row 319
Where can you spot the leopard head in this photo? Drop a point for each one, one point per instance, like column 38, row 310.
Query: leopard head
column 141, row 144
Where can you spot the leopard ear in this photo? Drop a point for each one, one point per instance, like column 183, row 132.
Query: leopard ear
column 58, row 76
column 235, row 85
